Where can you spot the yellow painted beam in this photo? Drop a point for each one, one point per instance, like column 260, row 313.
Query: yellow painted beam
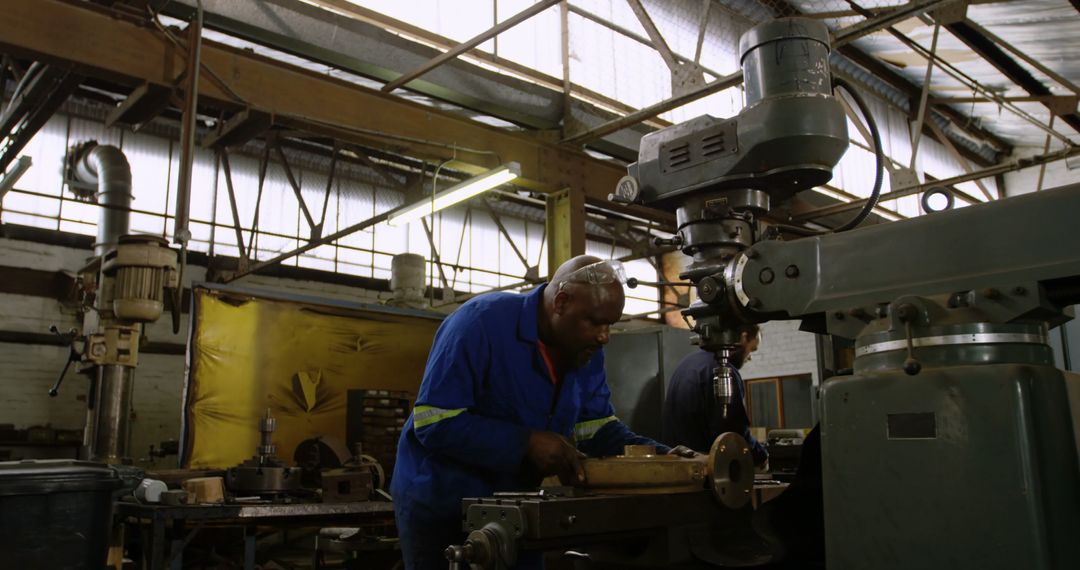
column 565, row 227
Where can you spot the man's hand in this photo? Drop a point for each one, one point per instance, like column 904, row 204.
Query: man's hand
column 683, row 451
column 552, row 454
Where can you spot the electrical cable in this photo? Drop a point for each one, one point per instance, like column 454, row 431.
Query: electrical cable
column 879, row 156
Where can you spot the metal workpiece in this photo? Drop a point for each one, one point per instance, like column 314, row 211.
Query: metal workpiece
column 731, row 470
column 266, row 449
column 264, row 473
column 640, row 473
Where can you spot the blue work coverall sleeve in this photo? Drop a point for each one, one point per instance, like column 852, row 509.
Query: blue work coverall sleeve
column 598, row 433
column 454, row 382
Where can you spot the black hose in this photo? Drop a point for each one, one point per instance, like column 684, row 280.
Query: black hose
column 879, row 155
column 27, row 78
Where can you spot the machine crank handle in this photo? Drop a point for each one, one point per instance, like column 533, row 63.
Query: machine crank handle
column 633, row 282
column 73, row 356
column 907, row 315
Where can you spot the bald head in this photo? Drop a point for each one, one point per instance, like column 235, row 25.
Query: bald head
column 577, row 313
column 559, row 279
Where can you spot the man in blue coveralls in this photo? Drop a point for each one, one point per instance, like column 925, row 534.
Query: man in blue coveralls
column 514, row 391
column 691, row 414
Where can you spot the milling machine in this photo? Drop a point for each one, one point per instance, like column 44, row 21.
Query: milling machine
column 954, row 442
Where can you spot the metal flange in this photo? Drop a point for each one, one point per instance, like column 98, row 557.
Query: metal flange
column 731, row 466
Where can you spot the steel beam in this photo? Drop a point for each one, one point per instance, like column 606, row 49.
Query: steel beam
column 986, row 48
column 469, row 44
column 960, row 159
column 579, row 11
column 917, row 126
column 959, row 75
column 565, row 227
column 842, row 37
column 1058, row 101
column 985, row 173
column 651, row 111
column 24, row 116
column 296, row 190
column 564, row 48
column 703, row 27
column 502, row 229
column 873, row 23
column 879, row 69
column 435, row 257
column 657, row 39
column 471, row 75
column 181, row 233
column 1025, row 57
column 379, row 218
column 1042, row 167
column 224, row 154
column 239, row 129
column 142, row 105
column 128, row 53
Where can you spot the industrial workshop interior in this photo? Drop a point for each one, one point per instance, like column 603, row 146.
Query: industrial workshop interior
column 525, row 284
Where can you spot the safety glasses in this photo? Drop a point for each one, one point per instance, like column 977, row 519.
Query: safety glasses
column 599, row 273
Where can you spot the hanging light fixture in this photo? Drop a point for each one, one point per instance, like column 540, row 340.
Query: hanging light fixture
column 455, row 194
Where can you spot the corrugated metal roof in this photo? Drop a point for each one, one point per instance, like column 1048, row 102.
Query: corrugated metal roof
column 1046, row 30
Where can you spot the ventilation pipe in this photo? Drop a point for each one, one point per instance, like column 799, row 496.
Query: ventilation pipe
column 106, row 167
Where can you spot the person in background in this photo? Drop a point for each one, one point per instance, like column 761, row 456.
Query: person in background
column 692, row 416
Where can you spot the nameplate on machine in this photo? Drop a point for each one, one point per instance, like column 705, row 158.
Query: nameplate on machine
column 912, row 426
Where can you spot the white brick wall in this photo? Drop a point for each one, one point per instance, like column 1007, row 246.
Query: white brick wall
column 29, row 370
column 784, row 351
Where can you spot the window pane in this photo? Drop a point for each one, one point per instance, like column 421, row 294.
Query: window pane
column 797, row 402
column 764, row 404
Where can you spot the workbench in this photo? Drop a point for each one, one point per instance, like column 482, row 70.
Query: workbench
column 167, row 530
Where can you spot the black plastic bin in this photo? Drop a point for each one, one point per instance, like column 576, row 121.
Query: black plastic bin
column 55, row 514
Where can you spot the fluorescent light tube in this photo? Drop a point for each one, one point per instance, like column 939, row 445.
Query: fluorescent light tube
column 458, row 193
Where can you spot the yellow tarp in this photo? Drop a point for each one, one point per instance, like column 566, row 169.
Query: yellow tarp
column 298, row 359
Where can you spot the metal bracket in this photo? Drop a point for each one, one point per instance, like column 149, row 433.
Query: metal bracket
column 901, row 178
column 509, row 516
column 951, row 13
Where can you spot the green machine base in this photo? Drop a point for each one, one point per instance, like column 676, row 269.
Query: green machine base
column 970, row 466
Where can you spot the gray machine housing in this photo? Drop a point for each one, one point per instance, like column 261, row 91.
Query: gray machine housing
column 954, row 443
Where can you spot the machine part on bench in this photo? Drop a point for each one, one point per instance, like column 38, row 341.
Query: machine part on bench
column 731, row 470
column 264, row 473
